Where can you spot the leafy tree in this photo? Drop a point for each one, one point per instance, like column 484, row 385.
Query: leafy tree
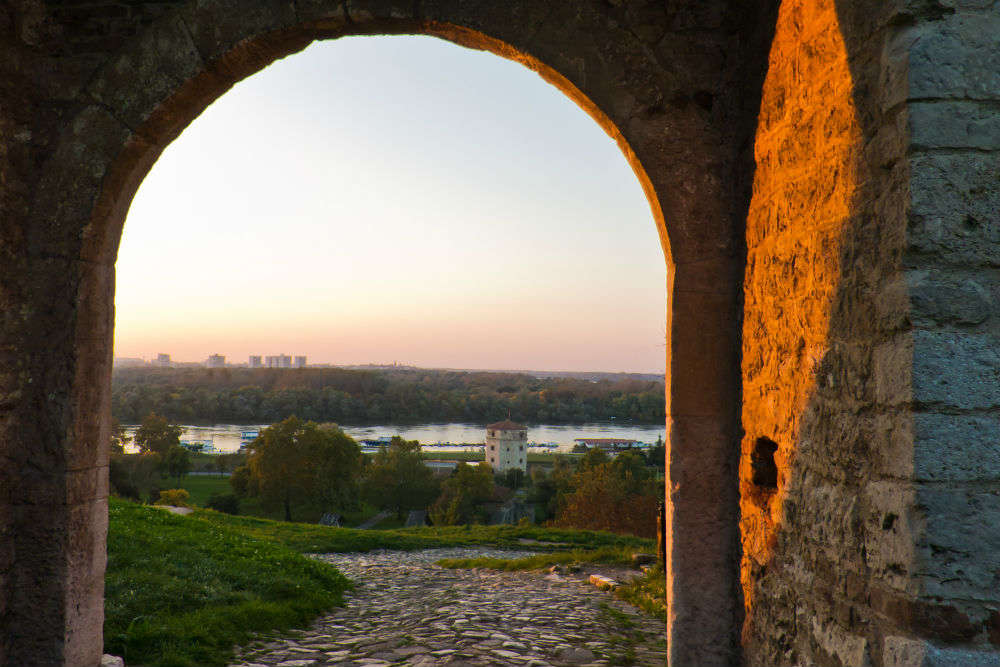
column 224, row 463
column 549, row 489
column 513, row 478
column 467, row 487
column 593, row 458
column 656, row 455
column 176, row 463
column 631, row 468
column 297, row 463
column 131, row 474
column 608, row 496
column 157, row 435
column 242, row 482
column 398, row 480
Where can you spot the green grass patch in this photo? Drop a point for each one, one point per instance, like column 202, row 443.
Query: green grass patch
column 200, row 487
column 312, row 538
column 603, row 555
column 182, row 591
column 648, row 593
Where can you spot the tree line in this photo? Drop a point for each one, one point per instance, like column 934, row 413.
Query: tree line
column 357, row 397
column 300, row 469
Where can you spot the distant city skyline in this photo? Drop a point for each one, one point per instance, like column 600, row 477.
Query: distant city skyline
column 394, row 198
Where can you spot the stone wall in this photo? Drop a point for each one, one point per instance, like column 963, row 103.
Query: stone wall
column 835, row 162
column 951, row 259
column 800, row 362
column 875, row 199
column 91, row 93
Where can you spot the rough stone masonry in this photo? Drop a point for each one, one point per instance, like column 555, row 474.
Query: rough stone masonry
column 825, row 176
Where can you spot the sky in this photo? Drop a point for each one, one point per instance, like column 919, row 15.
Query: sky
column 394, row 199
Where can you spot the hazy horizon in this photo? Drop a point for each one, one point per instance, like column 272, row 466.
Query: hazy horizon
column 381, row 199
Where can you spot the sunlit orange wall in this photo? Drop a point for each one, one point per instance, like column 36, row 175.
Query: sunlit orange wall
column 807, row 147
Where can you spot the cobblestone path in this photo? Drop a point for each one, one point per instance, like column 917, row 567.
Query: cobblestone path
column 407, row 611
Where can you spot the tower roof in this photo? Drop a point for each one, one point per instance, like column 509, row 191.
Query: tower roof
column 506, row 425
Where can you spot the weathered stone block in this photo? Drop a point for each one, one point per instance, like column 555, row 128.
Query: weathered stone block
column 954, row 124
column 330, row 14
column 958, row 555
column 956, row 369
column 958, row 57
column 216, row 26
column 362, row 11
column 71, row 182
column 135, row 82
column 848, row 649
column 908, row 652
column 955, row 300
column 892, row 371
column 956, row 447
column 890, row 532
column 955, row 207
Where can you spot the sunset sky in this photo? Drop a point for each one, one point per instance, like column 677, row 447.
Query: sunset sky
column 381, row 199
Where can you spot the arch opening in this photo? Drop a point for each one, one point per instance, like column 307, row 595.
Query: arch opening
column 686, row 155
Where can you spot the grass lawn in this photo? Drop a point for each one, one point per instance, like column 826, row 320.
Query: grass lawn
column 312, row 538
column 181, row 592
column 200, row 487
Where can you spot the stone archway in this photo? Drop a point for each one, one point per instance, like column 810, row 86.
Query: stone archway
column 674, row 86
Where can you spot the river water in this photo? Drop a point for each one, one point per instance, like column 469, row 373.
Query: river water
column 226, row 437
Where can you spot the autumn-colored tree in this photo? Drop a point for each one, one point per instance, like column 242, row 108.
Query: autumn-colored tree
column 467, row 487
column 157, row 435
column 398, row 480
column 611, row 496
column 297, row 463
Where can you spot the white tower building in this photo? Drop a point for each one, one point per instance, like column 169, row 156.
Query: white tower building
column 507, row 446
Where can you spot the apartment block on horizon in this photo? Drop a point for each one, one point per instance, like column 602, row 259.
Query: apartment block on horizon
column 278, row 361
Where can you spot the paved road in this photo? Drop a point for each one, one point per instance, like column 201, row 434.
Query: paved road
column 407, row 611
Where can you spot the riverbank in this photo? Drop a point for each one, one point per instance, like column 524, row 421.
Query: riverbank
column 228, row 437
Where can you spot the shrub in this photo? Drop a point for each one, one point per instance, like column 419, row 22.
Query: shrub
column 224, row 502
column 175, row 497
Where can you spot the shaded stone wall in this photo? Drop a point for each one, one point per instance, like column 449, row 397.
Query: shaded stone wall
column 874, row 378
column 951, row 258
column 92, row 93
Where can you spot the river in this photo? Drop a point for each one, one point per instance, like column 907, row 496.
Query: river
column 226, row 437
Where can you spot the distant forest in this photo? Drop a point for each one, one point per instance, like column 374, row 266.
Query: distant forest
column 358, row 397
